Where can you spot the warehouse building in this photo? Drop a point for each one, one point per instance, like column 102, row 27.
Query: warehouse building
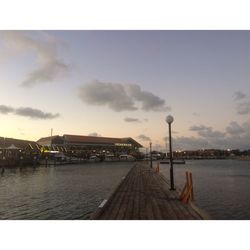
column 85, row 146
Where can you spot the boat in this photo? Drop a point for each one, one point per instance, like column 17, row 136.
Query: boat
column 174, row 162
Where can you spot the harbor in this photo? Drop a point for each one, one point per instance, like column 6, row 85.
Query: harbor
column 66, row 149
column 146, row 192
column 127, row 138
column 76, row 191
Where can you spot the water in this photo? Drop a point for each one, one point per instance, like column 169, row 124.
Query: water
column 221, row 187
column 61, row 192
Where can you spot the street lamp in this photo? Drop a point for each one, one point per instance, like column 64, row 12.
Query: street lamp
column 151, row 164
column 169, row 120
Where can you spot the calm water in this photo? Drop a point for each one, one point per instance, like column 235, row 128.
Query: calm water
column 222, row 188
column 61, row 192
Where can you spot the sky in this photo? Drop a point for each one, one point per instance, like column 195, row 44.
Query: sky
column 125, row 83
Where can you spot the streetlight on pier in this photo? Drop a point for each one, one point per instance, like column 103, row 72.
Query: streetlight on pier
column 151, row 164
column 169, row 120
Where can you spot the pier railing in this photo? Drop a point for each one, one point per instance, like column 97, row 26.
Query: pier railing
column 187, row 192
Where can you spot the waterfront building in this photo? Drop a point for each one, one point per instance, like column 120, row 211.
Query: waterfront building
column 12, row 151
column 87, row 146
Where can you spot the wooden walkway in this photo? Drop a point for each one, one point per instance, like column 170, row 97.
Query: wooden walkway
column 145, row 195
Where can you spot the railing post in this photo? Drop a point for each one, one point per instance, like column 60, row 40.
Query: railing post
column 157, row 170
column 187, row 191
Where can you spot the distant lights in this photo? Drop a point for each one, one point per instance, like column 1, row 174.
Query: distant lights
column 123, row 144
column 178, row 151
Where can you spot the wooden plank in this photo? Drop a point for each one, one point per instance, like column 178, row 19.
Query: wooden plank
column 145, row 195
column 111, row 205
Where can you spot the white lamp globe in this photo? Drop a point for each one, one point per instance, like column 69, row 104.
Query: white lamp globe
column 169, row 119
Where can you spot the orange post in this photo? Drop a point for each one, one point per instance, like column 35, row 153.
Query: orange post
column 183, row 192
column 158, row 168
column 187, row 191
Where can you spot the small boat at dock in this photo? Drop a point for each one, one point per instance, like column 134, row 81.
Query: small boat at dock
column 174, row 162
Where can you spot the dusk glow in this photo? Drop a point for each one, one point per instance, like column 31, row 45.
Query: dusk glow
column 125, row 83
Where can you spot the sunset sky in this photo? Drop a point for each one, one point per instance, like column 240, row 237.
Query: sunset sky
column 124, row 84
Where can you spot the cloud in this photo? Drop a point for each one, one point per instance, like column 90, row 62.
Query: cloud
column 206, row 132
column 183, row 142
column 44, row 47
column 195, row 114
column 45, row 73
column 243, row 108
column 112, row 95
column 234, row 129
column 236, row 136
column 5, row 109
column 189, row 143
column 28, row 112
column 143, row 137
column 238, row 95
column 149, row 101
column 128, row 119
column 94, row 134
column 35, row 113
column 198, row 128
column 120, row 97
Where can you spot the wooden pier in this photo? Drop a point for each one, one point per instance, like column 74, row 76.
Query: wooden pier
column 144, row 195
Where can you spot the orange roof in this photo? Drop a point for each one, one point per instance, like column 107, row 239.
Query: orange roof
column 99, row 140
column 91, row 139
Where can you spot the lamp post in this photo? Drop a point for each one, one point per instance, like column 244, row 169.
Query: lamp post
column 151, row 164
column 169, row 120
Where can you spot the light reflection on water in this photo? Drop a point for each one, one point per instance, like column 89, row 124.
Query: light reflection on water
column 221, row 187
column 61, row 192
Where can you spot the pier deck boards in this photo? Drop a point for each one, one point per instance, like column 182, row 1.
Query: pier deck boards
column 145, row 195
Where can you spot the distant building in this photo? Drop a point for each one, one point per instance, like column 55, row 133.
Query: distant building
column 17, row 144
column 12, row 150
column 205, row 153
column 78, row 144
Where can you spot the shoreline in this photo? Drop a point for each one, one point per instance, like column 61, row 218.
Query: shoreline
column 85, row 161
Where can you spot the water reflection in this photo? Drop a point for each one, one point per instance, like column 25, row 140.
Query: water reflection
column 221, row 187
column 61, row 192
